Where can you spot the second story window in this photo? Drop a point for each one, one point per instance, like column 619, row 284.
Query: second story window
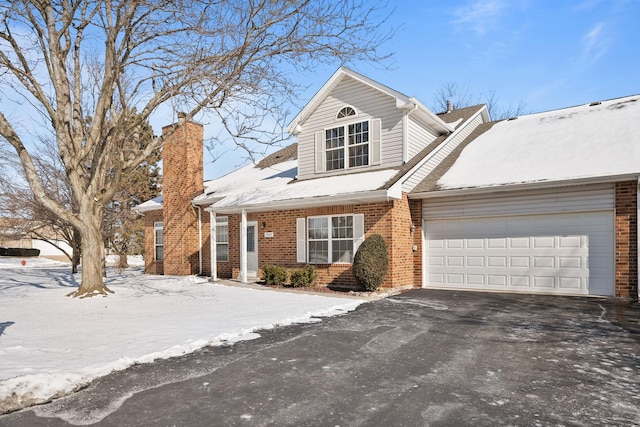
column 351, row 142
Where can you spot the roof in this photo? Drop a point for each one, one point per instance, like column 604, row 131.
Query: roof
column 272, row 184
column 596, row 141
column 402, row 101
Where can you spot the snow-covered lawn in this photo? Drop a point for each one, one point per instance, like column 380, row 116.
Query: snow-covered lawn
column 51, row 344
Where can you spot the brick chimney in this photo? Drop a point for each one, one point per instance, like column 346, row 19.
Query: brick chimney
column 182, row 180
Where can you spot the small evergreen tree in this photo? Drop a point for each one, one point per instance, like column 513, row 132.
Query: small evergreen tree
column 371, row 263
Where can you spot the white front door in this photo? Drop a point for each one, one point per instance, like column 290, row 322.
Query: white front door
column 252, row 248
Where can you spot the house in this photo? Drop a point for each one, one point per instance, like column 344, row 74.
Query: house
column 24, row 233
column 542, row 203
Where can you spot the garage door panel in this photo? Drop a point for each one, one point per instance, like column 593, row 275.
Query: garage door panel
column 570, row 253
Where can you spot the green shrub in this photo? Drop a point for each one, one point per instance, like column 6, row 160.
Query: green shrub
column 274, row 275
column 371, row 262
column 21, row 252
column 303, row 277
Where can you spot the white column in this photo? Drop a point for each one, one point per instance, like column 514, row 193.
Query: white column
column 243, row 247
column 637, row 239
column 212, row 243
column 199, row 241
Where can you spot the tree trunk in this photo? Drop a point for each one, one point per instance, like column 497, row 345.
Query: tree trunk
column 122, row 260
column 93, row 255
column 77, row 251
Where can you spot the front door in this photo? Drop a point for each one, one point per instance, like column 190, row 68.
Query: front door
column 252, row 248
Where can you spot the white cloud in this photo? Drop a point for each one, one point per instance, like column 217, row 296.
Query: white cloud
column 595, row 43
column 479, row 16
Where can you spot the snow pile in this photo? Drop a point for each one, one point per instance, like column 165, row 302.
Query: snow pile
column 51, row 345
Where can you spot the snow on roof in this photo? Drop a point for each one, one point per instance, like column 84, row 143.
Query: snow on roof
column 276, row 186
column 149, row 205
column 587, row 141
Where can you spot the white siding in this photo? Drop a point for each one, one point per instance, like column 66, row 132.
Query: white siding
column 370, row 104
column 418, row 136
column 562, row 199
column 442, row 152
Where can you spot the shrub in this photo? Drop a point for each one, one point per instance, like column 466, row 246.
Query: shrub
column 371, row 262
column 274, row 275
column 20, row 252
column 303, row 277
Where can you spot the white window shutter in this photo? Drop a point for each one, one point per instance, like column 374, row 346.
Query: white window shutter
column 358, row 232
column 319, row 143
column 376, row 129
column 301, row 240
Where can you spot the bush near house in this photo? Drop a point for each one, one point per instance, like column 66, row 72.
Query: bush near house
column 274, row 275
column 21, row 252
column 371, row 263
column 303, row 277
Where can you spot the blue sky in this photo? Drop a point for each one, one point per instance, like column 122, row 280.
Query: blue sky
column 543, row 54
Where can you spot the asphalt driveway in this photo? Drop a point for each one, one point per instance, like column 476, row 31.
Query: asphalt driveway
column 436, row 358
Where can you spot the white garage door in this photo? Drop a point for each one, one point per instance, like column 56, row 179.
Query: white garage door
column 567, row 253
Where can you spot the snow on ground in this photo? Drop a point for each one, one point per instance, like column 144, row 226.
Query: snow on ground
column 50, row 344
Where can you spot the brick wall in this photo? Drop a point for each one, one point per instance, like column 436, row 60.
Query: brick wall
column 182, row 170
column 626, row 268
column 391, row 219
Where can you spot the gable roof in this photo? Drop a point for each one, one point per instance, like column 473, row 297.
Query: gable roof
column 591, row 142
column 402, row 101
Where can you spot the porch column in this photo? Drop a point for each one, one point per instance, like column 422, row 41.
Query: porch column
column 212, row 244
column 243, row 247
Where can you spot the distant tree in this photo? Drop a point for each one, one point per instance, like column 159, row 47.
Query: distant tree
column 453, row 95
column 123, row 228
column 31, row 218
column 84, row 65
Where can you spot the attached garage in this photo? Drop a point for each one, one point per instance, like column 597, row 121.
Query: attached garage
column 560, row 241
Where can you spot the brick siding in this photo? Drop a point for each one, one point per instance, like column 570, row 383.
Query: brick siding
column 392, row 220
column 626, row 268
column 182, row 170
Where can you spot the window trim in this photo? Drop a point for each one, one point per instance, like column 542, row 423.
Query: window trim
column 345, row 147
column 222, row 221
column 158, row 226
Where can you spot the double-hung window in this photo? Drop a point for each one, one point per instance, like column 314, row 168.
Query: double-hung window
column 347, row 146
column 222, row 239
column 158, row 241
column 330, row 239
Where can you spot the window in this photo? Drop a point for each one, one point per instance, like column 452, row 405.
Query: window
column 346, row 112
column 158, row 241
column 356, row 149
column 331, row 239
column 222, row 239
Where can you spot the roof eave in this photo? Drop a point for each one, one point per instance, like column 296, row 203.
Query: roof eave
column 524, row 186
column 312, row 202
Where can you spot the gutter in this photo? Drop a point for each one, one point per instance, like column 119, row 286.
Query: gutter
column 522, row 186
column 393, row 193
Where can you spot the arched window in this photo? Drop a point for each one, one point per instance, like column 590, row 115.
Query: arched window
column 346, row 112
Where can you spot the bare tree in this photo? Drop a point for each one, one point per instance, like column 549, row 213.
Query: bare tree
column 84, row 64
column 30, row 217
column 452, row 95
